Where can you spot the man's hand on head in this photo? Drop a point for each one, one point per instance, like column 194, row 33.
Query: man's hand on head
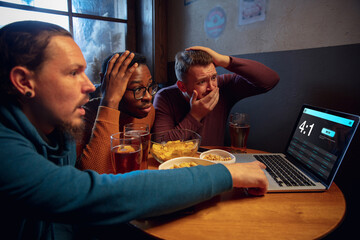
column 116, row 79
column 219, row 59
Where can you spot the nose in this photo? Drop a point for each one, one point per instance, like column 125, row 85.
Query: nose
column 211, row 85
column 147, row 96
column 88, row 86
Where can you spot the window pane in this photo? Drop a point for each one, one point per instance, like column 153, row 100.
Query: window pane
column 13, row 15
column 55, row 4
column 104, row 8
column 97, row 40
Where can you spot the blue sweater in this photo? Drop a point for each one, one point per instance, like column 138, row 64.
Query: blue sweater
column 40, row 189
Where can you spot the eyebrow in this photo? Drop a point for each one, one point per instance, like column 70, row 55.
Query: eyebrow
column 204, row 78
column 72, row 67
column 76, row 65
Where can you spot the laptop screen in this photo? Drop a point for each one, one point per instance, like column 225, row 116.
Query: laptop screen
column 320, row 139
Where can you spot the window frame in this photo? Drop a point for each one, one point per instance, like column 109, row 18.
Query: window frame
column 130, row 34
column 150, row 41
column 68, row 13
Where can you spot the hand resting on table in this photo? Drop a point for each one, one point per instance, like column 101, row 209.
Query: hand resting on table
column 249, row 175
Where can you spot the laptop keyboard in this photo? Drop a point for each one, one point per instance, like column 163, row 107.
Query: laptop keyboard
column 283, row 172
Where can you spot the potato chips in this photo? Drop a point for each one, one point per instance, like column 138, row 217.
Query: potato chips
column 215, row 157
column 184, row 164
column 173, row 149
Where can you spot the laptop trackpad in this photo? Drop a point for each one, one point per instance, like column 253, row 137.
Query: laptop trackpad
column 244, row 158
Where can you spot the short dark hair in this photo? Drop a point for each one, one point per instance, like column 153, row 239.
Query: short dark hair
column 185, row 59
column 23, row 44
column 138, row 58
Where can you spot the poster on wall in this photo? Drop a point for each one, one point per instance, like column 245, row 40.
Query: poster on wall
column 251, row 11
column 215, row 22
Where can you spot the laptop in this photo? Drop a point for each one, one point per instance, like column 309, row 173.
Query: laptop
column 314, row 152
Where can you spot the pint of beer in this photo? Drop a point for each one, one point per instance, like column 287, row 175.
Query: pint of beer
column 143, row 131
column 239, row 127
column 126, row 152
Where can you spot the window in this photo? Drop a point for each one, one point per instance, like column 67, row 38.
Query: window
column 99, row 27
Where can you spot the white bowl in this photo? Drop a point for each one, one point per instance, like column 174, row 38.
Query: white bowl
column 221, row 153
column 170, row 163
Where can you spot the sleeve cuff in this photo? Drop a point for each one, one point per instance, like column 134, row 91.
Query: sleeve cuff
column 222, row 178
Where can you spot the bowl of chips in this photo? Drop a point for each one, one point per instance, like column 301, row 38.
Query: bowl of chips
column 174, row 143
column 218, row 156
column 182, row 162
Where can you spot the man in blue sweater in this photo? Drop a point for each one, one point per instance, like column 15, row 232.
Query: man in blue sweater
column 42, row 194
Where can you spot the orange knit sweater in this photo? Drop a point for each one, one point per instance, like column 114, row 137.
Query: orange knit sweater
column 93, row 150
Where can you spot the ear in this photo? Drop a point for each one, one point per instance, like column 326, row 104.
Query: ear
column 181, row 85
column 22, row 79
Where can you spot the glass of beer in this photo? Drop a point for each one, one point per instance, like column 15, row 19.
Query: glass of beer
column 142, row 130
column 126, row 154
column 239, row 127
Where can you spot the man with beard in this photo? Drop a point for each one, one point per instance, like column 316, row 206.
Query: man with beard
column 125, row 99
column 42, row 195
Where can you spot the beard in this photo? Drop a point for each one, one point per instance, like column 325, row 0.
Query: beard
column 72, row 130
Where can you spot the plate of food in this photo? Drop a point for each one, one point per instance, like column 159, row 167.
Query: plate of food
column 181, row 162
column 218, row 156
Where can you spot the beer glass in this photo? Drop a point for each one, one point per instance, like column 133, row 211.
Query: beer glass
column 143, row 131
column 239, row 127
column 126, row 154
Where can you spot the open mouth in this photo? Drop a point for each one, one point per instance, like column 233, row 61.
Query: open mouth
column 81, row 107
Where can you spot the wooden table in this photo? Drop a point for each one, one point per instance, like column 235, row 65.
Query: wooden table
column 235, row 215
